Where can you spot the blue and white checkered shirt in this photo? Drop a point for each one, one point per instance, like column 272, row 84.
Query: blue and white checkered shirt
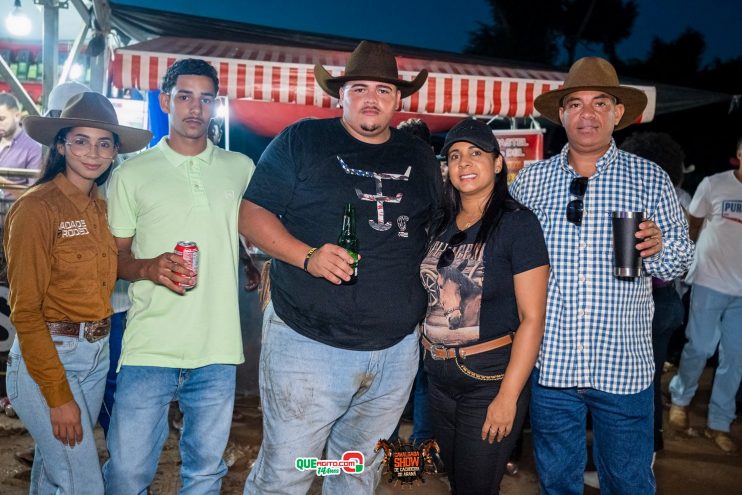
column 598, row 327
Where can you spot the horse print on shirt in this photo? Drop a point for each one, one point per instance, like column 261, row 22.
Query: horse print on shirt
column 454, row 294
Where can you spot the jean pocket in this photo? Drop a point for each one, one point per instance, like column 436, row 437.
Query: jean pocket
column 11, row 376
column 64, row 344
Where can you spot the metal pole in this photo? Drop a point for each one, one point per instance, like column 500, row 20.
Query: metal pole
column 99, row 64
column 74, row 52
column 50, row 47
column 82, row 9
column 98, row 72
column 226, row 123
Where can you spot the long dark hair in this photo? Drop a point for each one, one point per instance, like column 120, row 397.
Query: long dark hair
column 499, row 201
column 55, row 162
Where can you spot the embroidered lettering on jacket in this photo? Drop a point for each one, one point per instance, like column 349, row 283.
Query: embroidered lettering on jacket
column 72, row 228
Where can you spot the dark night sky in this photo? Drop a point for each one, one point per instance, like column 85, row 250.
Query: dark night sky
column 445, row 24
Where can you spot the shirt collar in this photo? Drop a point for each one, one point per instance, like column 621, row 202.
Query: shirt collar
column 76, row 196
column 176, row 159
column 602, row 164
column 17, row 137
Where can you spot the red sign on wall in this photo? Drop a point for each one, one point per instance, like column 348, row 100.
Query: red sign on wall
column 520, row 147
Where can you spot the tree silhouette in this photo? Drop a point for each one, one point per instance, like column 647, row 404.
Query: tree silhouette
column 603, row 22
column 522, row 30
column 531, row 29
column 676, row 62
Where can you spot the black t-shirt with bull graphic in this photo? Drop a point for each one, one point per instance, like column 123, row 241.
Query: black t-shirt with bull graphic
column 473, row 299
column 306, row 176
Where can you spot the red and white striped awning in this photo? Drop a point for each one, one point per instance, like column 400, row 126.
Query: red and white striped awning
column 279, row 74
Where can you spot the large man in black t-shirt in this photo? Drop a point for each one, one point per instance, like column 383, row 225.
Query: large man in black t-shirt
column 338, row 361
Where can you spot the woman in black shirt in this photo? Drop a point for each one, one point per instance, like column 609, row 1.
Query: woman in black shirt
column 486, row 274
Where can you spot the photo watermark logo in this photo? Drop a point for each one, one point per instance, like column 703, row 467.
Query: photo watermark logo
column 352, row 462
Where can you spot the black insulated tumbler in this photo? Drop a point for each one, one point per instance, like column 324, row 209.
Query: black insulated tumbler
column 626, row 259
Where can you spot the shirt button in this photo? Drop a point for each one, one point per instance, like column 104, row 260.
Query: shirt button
column 581, row 312
column 104, row 255
column 79, row 256
column 582, row 245
column 579, row 347
column 582, row 278
column 104, row 284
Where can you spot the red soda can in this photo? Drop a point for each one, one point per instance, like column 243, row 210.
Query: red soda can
column 189, row 251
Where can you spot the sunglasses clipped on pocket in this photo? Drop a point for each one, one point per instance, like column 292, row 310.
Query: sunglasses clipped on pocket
column 577, row 188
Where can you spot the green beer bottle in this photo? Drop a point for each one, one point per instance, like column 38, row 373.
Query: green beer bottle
column 349, row 241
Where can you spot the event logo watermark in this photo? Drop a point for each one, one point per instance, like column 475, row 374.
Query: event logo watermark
column 405, row 462
column 352, row 462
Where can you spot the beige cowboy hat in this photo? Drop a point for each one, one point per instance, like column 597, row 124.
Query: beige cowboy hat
column 87, row 110
column 593, row 74
column 369, row 62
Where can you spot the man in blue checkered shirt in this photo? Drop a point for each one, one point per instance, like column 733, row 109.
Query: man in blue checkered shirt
column 596, row 354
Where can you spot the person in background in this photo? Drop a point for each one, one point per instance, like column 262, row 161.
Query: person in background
column 61, row 269
column 17, row 149
column 715, row 318
column 61, row 94
column 660, row 148
column 178, row 345
column 596, row 355
column 422, row 429
column 486, row 273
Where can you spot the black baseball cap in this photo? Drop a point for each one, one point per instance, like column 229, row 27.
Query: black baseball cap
column 472, row 131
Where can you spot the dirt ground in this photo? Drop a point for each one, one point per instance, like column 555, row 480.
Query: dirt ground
column 689, row 465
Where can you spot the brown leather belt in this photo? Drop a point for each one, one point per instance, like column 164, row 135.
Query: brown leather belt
column 439, row 351
column 91, row 331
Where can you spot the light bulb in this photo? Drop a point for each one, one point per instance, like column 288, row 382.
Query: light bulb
column 18, row 23
column 76, row 71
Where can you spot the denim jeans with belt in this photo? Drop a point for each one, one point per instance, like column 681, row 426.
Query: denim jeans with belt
column 316, row 397
column 139, row 426
column 458, row 406
column 58, row 468
column 622, row 439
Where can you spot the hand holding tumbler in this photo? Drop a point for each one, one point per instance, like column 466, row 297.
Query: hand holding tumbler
column 626, row 259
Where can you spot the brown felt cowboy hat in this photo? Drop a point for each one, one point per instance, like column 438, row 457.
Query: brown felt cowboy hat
column 87, row 110
column 369, row 62
column 593, row 74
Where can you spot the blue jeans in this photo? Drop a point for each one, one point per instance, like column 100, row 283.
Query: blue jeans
column 715, row 320
column 422, row 428
column 57, row 468
column 316, row 397
column 139, row 426
column 622, row 439
column 118, row 324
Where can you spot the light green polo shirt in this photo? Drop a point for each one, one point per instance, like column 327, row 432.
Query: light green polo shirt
column 159, row 198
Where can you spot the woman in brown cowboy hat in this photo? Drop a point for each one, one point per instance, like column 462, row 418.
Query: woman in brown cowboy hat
column 62, row 270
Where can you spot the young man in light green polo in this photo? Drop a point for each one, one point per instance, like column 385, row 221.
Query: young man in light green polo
column 179, row 344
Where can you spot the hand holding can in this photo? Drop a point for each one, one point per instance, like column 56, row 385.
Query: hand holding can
column 189, row 251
